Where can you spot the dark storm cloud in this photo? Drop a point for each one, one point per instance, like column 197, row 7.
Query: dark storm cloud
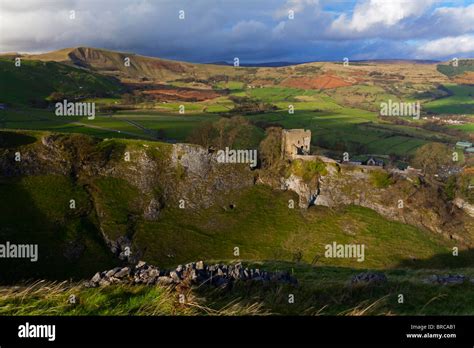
column 216, row 30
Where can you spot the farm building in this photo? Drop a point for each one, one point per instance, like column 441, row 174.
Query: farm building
column 295, row 142
column 374, row 162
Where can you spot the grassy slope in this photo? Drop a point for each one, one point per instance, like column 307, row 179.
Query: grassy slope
column 261, row 225
column 264, row 228
column 36, row 80
column 460, row 102
column 35, row 210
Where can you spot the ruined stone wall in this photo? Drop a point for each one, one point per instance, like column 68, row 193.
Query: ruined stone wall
column 293, row 138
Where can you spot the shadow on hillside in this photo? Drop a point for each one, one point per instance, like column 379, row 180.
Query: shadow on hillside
column 465, row 258
column 13, row 139
column 325, row 290
column 62, row 247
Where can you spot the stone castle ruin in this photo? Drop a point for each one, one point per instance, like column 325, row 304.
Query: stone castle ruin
column 295, row 142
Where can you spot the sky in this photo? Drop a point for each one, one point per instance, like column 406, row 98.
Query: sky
column 252, row 30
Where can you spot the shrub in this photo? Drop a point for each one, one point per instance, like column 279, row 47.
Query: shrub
column 381, row 179
column 270, row 147
column 307, row 170
column 450, row 188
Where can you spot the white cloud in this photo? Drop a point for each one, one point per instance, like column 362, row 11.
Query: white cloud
column 297, row 6
column 217, row 30
column 460, row 19
column 373, row 13
column 447, row 46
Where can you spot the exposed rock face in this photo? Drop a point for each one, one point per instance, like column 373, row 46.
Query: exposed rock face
column 468, row 208
column 204, row 176
column 34, row 160
column 195, row 273
column 402, row 200
column 168, row 174
column 183, row 173
column 306, row 192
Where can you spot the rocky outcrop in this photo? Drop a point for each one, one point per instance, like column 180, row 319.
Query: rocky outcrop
column 448, row 279
column 190, row 176
column 462, row 204
column 369, row 278
column 180, row 172
column 406, row 199
column 34, row 159
column 307, row 192
column 195, row 273
column 202, row 177
column 152, row 211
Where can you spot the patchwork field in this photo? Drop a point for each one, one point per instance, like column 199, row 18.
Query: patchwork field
column 460, row 101
column 339, row 104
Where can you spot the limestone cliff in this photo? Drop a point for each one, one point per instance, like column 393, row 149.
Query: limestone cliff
column 407, row 198
column 174, row 174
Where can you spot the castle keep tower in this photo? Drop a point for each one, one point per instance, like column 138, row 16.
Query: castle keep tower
column 295, row 142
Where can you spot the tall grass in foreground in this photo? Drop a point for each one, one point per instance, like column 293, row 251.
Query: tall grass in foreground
column 65, row 298
column 320, row 291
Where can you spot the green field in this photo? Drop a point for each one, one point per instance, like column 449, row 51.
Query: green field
column 340, row 119
column 460, row 102
column 469, row 127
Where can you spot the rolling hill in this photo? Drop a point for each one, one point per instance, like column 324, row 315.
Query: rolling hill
column 113, row 63
column 34, row 82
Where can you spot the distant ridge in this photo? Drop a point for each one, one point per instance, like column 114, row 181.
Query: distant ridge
column 398, row 61
column 260, row 65
column 141, row 67
column 373, row 61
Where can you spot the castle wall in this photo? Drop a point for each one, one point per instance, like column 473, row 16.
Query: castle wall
column 293, row 139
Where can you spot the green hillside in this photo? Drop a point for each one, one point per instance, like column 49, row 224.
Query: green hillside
column 464, row 65
column 34, row 81
column 461, row 101
column 36, row 210
column 260, row 224
column 257, row 220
